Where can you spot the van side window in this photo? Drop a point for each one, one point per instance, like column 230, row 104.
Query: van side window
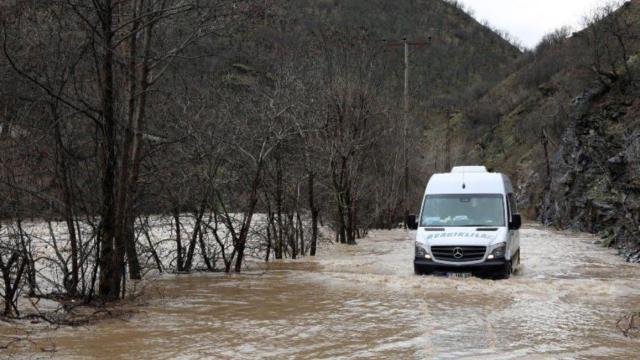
column 513, row 207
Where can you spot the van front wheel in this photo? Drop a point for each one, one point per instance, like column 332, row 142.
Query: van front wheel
column 418, row 270
column 505, row 272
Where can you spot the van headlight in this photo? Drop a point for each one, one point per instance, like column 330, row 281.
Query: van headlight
column 421, row 252
column 498, row 252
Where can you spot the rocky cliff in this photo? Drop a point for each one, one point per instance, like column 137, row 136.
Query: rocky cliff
column 595, row 173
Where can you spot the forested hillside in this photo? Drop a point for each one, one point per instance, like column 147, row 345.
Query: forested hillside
column 149, row 135
column 565, row 125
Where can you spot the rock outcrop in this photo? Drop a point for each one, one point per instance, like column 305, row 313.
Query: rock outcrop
column 595, row 177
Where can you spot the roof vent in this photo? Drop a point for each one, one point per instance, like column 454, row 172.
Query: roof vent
column 469, row 169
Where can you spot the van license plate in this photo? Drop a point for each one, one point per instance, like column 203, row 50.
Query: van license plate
column 459, row 275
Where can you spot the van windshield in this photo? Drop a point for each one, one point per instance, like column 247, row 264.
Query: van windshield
column 463, row 210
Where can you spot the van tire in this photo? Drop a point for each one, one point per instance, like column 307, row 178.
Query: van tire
column 505, row 272
column 419, row 270
column 516, row 259
column 416, row 270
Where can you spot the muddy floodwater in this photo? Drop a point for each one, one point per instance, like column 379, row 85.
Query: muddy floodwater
column 364, row 302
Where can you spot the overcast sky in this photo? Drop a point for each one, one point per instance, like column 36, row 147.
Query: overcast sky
column 529, row 20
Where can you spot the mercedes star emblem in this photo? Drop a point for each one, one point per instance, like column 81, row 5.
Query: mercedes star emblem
column 458, row 253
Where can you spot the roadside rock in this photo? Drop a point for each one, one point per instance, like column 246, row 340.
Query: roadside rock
column 595, row 183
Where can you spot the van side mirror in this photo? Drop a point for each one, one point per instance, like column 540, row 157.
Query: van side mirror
column 516, row 222
column 411, row 222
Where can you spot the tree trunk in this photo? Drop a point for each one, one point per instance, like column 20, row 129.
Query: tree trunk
column 110, row 267
column 67, row 197
column 136, row 148
column 194, row 236
column 228, row 260
column 300, row 228
column 350, row 224
column 280, row 227
column 176, row 219
column 11, row 287
column 340, row 193
column 135, row 272
column 269, row 221
column 133, row 137
column 269, row 227
column 244, row 232
column 203, row 251
column 154, row 253
column 292, row 235
column 314, row 214
column 28, row 258
column 545, row 144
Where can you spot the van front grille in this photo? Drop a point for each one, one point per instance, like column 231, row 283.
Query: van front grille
column 458, row 253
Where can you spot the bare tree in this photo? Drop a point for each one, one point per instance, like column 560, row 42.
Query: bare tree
column 608, row 37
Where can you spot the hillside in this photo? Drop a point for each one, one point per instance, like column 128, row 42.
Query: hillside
column 457, row 59
column 460, row 60
column 565, row 126
column 461, row 57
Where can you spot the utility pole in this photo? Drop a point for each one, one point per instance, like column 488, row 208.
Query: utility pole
column 405, row 195
column 405, row 122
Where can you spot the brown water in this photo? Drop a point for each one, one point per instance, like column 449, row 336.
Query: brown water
column 364, row 302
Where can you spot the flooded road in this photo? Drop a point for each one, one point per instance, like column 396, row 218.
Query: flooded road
column 364, row 302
